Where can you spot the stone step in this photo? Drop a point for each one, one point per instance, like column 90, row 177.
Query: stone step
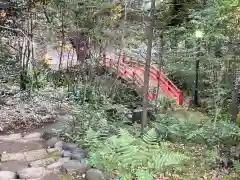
column 32, row 136
column 13, row 165
column 42, row 162
column 18, row 146
column 35, row 136
column 7, row 175
column 35, row 155
column 25, row 156
column 32, row 173
column 11, row 137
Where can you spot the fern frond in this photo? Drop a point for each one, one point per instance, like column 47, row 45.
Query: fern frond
column 236, row 164
column 165, row 159
column 92, row 138
column 143, row 175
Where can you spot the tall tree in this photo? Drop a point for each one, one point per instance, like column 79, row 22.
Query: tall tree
column 147, row 65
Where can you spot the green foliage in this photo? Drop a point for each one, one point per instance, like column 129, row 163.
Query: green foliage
column 193, row 131
column 123, row 154
column 144, row 175
column 125, row 95
column 236, row 164
column 128, row 154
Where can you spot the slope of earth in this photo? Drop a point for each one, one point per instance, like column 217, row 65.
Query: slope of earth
column 19, row 110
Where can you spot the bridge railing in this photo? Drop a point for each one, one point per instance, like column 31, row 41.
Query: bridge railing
column 165, row 84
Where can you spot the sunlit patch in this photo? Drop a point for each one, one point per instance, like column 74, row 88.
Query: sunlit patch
column 66, row 48
column 3, row 14
column 47, row 59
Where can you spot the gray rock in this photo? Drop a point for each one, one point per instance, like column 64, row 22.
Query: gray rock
column 59, row 144
column 129, row 116
column 66, row 154
column 31, row 173
column 51, row 142
column 52, row 150
column 7, row 175
column 48, row 134
column 63, row 160
column 94, row 174
column 136, row 115
column 51, row 176
column 79, row 154
column 74, row 166
column 69, row 147
column 55, row 166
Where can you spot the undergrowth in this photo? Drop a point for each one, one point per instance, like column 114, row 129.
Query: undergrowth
column 171, row 147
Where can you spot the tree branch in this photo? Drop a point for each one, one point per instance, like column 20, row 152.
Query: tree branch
column 18, row 30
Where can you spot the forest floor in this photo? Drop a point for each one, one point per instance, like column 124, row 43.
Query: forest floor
column 24, row 117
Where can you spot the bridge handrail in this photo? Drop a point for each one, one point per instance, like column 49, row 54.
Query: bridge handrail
column 166, row 84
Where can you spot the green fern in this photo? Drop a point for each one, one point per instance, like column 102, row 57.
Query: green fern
column 126, row 176
column 148, row 145
column 166, row 159
column 92, row 138
column 126, row 153
column 143, row 175
column 151, row 137
column 236, row 164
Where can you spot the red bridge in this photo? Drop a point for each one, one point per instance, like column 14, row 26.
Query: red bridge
column 129, row 70
column 134, row 71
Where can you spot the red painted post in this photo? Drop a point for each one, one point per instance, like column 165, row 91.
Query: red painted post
column 158, row 75
column 134, row 77
column 104, row 59
column 154, row 96
column 168, row 86
column 180, row 98
column 158, row 78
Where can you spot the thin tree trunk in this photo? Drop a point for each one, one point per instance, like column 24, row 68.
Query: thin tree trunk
column 62, row 28
column 236, row 89
column 122, row 38
column 120, row 47
column 160, row 62
column 147, row 66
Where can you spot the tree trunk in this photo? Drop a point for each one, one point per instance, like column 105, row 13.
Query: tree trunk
column 147, row 66
column 122, row 43
column 62, row 32
column 160, row 56
column 236, row 89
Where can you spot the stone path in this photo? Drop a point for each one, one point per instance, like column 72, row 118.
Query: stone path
column 29, row 157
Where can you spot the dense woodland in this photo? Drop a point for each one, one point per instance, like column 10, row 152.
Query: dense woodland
column 184, row 39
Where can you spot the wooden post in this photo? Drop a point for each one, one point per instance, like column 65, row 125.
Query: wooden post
column 104, row 59
column 123, row 58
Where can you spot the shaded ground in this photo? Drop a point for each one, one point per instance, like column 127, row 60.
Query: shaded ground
column 22, row 111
